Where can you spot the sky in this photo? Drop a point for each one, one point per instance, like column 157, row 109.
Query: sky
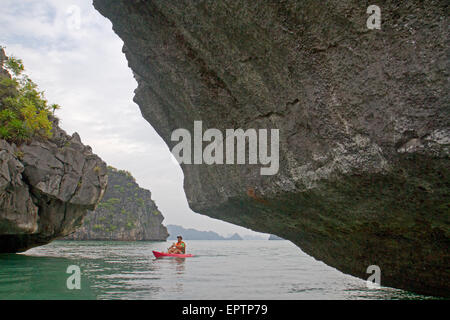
column 71, row 52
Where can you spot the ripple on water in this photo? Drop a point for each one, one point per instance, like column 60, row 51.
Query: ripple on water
column 128, row 270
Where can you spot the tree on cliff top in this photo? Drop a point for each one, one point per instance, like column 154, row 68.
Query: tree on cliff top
column 24, row 111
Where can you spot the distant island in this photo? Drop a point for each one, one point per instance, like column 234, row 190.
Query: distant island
column 255, row 237
column 192, row 234
column 127, row 213
column 274, row 237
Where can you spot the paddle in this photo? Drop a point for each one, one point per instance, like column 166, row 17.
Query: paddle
column 170, row 247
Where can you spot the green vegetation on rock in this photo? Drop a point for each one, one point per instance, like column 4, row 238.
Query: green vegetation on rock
column 24, row 111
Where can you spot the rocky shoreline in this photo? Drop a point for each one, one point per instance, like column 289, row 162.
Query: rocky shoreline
column 46, row 188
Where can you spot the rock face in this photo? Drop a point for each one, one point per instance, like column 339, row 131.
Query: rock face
column 363, row 118
column 46, row 187
column 126, row 213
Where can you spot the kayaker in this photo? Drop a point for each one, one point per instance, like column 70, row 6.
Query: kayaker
column 179, row 247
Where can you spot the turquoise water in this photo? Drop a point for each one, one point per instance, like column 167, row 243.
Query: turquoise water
column 219, row 270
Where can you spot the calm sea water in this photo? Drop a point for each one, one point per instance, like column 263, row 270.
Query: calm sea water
column 219, row 270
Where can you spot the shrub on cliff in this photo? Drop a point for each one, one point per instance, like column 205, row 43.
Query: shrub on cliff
column 24, row 111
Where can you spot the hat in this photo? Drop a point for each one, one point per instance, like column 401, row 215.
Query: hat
column 180, row 237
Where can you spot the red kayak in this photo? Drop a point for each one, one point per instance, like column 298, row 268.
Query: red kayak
column 165, row 254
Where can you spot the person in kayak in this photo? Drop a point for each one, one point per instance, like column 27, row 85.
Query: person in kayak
column 179, row 247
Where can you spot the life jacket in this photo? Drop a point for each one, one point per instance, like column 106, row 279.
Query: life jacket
column 183, row 246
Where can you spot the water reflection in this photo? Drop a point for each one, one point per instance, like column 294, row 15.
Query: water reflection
column 179, row 265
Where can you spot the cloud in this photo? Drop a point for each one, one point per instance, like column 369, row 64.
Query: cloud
column 71, row 52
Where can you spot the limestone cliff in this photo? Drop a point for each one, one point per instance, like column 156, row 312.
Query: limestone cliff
column 126, row 213
column 363, row 118
column 46, row 186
